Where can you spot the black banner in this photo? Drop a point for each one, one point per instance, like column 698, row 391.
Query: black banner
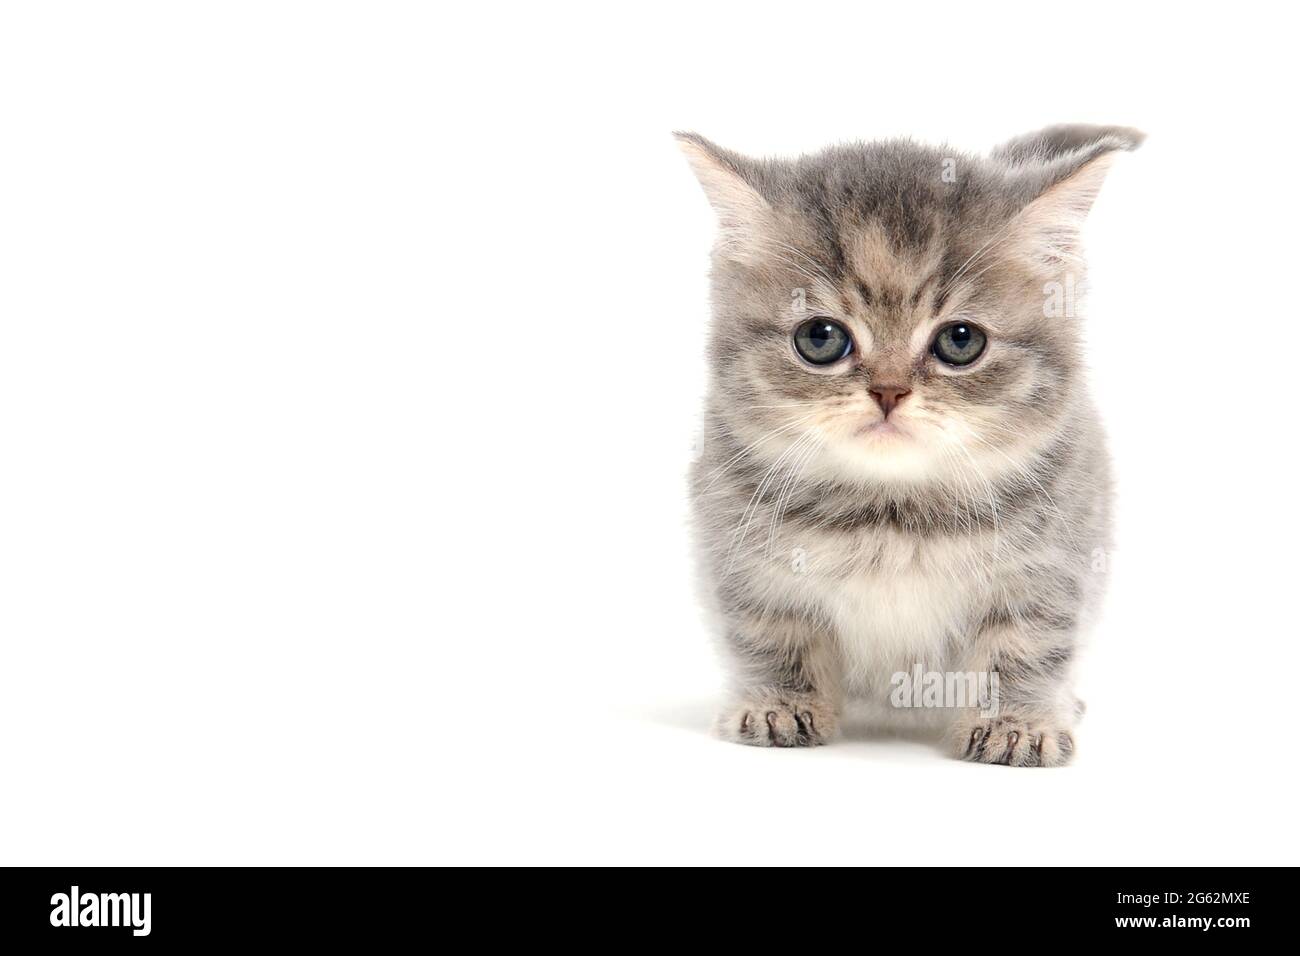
column 141, row 907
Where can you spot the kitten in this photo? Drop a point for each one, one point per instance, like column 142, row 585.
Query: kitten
column 902, row 473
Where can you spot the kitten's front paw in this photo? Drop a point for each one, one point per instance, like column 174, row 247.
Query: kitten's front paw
column 785, row 721
column 1013, row 741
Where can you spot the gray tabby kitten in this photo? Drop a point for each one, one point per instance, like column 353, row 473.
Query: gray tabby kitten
column 901, row 467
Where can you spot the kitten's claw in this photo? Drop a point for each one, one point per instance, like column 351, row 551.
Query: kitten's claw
column 778, row 722
column 1012, row 741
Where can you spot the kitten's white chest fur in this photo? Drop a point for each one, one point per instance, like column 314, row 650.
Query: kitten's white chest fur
column 914, row 603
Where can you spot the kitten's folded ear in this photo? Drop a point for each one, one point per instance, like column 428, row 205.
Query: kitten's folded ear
column 1045, row 145
column 727, row 179
column 1059, row 170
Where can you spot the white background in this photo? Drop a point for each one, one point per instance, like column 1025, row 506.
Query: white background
column 350, row 362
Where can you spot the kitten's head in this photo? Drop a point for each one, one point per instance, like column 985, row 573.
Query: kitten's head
column 895, row 313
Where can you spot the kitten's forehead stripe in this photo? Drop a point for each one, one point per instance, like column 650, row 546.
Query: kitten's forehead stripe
column 928, row 286
column 864, row 291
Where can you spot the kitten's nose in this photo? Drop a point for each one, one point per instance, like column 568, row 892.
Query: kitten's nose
column 888, row 396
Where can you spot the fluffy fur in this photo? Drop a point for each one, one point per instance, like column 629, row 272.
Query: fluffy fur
column 964, row 531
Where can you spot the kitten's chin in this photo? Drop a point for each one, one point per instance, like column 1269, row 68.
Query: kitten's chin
column 885, row 451
column 885, row 430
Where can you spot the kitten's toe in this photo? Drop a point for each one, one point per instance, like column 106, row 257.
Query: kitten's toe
column 1012, row 741
column 778, row 722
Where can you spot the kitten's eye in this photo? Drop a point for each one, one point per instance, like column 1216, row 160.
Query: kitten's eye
column 821, row 341
column 959, row 344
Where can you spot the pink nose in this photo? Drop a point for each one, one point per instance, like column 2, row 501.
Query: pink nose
column 888, row 396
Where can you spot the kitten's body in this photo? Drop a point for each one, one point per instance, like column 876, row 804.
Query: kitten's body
column 962, row 531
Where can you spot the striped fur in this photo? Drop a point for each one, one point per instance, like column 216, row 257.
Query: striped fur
column 967, row 535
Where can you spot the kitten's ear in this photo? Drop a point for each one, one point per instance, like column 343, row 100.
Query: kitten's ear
column 1045, row 145
column 725, row 177
column 1064, row 179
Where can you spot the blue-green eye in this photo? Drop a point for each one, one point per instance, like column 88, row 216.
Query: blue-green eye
column 959, row 344
column 822, row 342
